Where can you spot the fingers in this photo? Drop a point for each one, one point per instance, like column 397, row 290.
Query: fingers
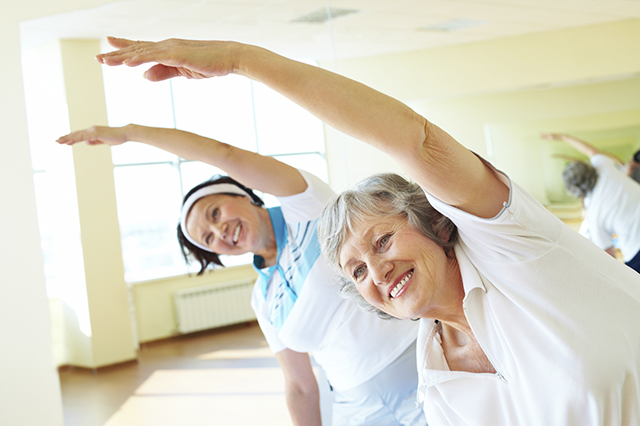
column 94, row 135
column 161, row 72
column 551, row 136
column 119, row 43
column 131, row 53
column 72, row 138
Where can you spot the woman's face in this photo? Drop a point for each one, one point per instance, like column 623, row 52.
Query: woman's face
column 227, row 224
column 397, row 269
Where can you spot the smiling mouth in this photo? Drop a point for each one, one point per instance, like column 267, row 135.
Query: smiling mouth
column 236, row 233
column 401, row 284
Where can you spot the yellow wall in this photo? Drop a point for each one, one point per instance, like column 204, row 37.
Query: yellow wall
column 111, row 337
column 154, row 309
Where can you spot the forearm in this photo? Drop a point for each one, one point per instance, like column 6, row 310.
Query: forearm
column 301, row 388
column 254, row 170
column 304, row 408
column 183, row 144
column 344, row 104
column 580, row 145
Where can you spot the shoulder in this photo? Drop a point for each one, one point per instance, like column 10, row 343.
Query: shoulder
column 307, row 205
column 602, row 161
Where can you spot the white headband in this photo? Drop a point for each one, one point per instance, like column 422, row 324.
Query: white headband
column 220, row 188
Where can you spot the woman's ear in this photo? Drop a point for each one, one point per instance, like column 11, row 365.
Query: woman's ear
column 443, row 233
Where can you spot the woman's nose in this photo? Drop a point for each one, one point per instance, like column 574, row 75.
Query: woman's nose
column 219, row 230
column 380, row 271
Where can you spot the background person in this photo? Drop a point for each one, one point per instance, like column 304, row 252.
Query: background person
column 611, row 199
column 370, row 363
column 632, row 167
column 523, row 320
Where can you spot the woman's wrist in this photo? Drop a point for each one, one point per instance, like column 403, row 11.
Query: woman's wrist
column 130, row 132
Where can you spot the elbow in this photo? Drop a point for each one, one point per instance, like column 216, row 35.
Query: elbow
column 302, row 392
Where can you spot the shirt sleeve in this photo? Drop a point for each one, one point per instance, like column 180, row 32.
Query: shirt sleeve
column 601, row 161
column 307, row 205
column 521, row 231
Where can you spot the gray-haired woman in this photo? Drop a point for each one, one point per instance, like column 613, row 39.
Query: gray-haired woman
column 523, row 321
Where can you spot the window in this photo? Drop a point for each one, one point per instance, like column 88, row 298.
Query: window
column 151, row 183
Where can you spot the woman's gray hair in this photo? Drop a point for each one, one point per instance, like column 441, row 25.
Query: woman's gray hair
column 579, row 178
column 379, row 196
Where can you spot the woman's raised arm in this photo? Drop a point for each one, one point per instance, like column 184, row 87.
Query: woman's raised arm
column 429, row 155
column 265, row 174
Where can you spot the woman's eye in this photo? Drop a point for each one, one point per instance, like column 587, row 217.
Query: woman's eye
column 384, row 240
column 357, row 273
column 215, row 214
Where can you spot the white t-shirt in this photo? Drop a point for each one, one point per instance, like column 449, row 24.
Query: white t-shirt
column 304, row 313
column 557, row 317
column 613, row 207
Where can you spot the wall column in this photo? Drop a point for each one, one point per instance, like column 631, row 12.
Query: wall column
column 111, row 337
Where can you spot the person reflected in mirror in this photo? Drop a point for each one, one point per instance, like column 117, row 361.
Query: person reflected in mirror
column 611, row 199
column 632, row 167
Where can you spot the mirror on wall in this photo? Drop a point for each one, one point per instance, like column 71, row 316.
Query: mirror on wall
column 537, row 164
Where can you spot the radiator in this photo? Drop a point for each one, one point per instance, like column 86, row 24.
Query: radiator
column 215, row 305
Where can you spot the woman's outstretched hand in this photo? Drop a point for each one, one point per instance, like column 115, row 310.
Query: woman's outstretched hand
column 175, row 57
column 553, row 136
column 96, row 135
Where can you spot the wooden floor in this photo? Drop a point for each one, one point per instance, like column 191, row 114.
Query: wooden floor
column 226, row 377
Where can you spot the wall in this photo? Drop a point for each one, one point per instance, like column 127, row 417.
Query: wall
column 27, row 372
column 154, row 310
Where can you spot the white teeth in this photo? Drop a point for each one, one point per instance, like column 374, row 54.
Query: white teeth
column 401, row 284
column 236, row 233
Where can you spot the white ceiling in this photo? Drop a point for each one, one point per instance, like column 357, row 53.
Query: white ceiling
column 378, row 26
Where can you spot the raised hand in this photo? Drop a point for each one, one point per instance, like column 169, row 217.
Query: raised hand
column 175, row 57
column 96, row 135
column 553, row 136
column 580, row 145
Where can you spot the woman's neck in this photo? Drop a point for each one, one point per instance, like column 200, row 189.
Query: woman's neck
column 268, row 250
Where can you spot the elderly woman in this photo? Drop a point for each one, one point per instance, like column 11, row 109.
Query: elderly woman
column 370, row 363
column 523, row 321
column 610, row 197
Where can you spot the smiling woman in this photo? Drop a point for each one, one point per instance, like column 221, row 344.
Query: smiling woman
column 224, row 217
column 383, row 205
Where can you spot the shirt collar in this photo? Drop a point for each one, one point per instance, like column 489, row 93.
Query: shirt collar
column 280, row 231
column 470, row 276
